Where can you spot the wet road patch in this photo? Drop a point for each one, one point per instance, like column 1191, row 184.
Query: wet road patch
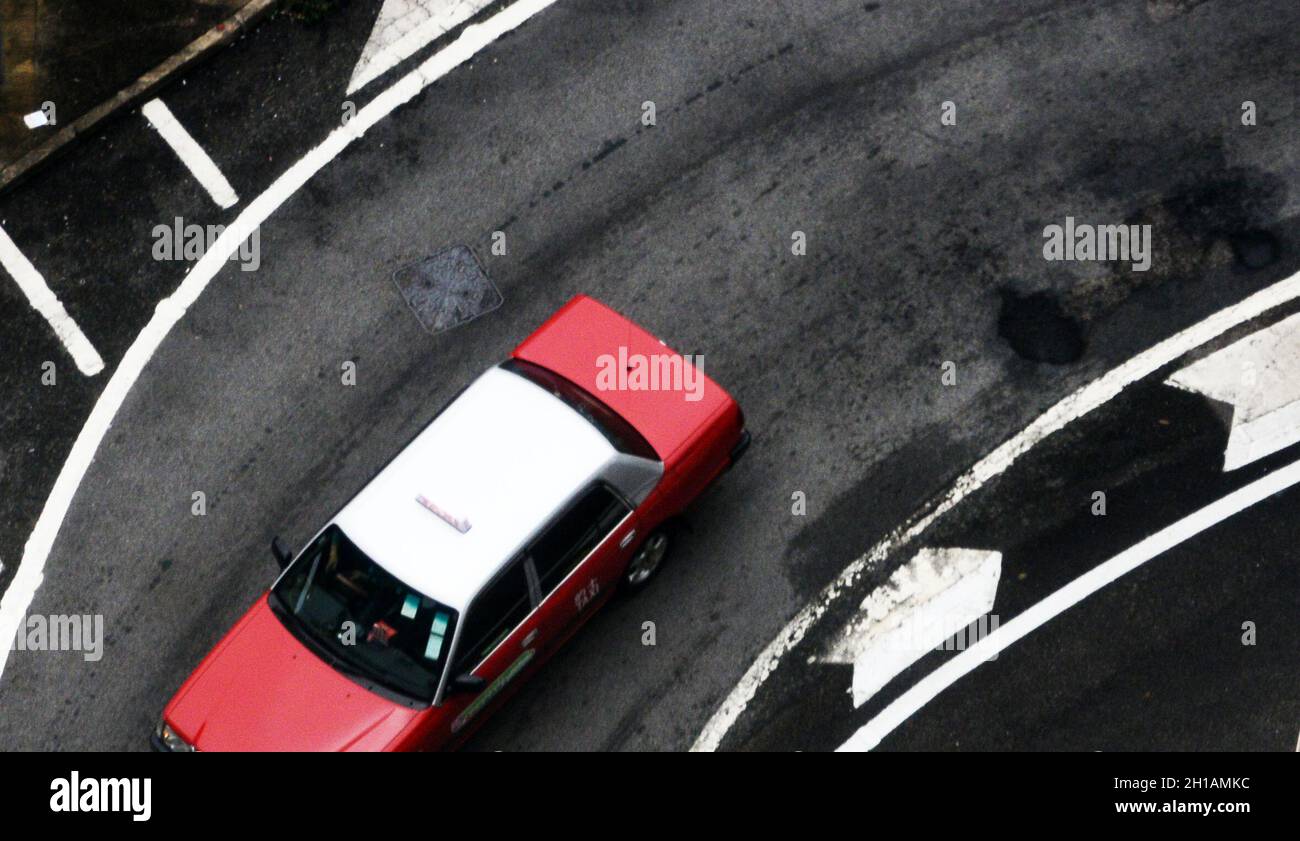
column 1039, row 329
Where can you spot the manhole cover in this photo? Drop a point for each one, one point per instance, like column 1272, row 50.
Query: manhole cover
column 448, row 289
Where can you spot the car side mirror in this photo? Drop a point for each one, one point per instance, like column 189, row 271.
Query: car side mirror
column 466, row 684
column 283, row 554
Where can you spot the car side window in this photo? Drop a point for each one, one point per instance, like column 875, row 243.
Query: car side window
column 497, row 611
column 575, row 534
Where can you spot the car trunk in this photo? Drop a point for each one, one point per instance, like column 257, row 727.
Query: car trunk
column 665, row 396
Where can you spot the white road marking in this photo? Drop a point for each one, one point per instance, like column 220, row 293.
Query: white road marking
column 202, row 167
column 404, row 27
column 1260, row 377
column 31, row 569
column 1076, row 405
column 925, row 602
column 870, row 734
column 44, row 301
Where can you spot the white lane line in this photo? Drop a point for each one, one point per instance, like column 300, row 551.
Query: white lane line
column 202, row 167
column 870, row 734
column 44, row 301
column 405, row 26
column 31, row 569
column 1075, row 406
column 924, row 603
column 1260, row 377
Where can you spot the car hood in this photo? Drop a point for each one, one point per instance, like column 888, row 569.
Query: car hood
column 262, row 690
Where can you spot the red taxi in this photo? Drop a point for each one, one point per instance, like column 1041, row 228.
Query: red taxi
column 541, row 489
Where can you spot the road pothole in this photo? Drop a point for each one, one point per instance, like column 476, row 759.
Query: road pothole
column 1255, row 249
column 447, row 289
column 1039, row 329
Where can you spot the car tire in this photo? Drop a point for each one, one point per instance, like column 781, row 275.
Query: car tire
column 647, row 560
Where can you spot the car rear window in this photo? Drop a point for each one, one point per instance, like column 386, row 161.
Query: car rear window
column 620, row 434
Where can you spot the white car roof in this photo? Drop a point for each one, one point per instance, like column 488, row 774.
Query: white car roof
column 502, row 459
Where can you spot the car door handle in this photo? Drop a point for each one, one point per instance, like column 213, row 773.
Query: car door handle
column 627, row 538
column 528, row 640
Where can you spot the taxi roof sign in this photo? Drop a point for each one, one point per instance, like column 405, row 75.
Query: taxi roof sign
column 460, row 525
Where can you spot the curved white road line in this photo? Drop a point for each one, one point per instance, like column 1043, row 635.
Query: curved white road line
column 31, row 568
column 994, row 464
column 907, row 704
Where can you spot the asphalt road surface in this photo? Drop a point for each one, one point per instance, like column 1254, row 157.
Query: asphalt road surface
column 1194, row 648
column 924, row 246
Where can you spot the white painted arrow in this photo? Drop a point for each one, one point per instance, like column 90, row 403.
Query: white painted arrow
column 1260, row 377
column 925, row 602
column 402, row 28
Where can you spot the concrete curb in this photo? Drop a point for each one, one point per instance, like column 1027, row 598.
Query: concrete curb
column 215, row 37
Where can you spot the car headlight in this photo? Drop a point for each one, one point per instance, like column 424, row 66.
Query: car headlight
column 169, row 740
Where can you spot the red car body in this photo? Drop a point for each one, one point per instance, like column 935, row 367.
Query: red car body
column 262, row 688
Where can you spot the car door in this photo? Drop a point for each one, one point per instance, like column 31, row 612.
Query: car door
column 498, row 642
column 532, row 605
column 579, row 557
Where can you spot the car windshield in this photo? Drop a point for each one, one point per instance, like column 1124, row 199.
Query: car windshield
column 368, row 623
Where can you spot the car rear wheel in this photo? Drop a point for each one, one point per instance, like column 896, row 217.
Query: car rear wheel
column 647, row 561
